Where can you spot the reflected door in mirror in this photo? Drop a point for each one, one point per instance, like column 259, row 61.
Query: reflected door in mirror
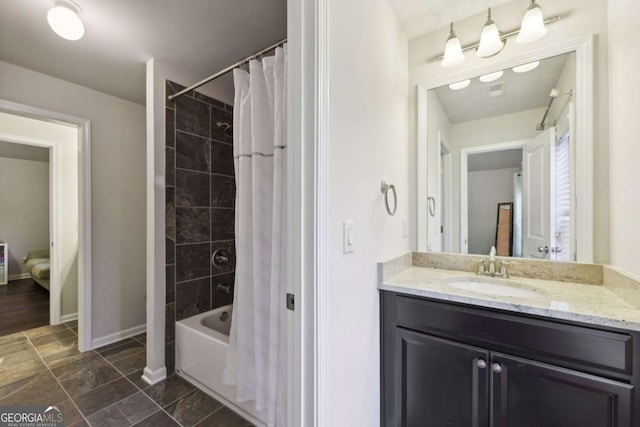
column 536, row 218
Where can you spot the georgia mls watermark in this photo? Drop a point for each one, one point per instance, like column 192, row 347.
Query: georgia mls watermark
column 31, row 416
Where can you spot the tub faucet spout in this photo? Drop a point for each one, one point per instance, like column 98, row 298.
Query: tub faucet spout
column 226, row 289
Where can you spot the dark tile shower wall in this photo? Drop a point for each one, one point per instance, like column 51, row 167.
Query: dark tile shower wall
column 200, row 202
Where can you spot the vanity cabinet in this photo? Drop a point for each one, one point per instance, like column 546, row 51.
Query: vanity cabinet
column 446, row 364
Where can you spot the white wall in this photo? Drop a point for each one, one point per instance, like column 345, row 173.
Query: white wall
column 367, row 136
column 486, row 190
column 580, row 18
column 566, row 83
column 624, row 63
column 24, row 209
column 118, row 189
column 496, row 129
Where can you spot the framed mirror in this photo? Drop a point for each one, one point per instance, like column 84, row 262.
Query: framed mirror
column 518, row 132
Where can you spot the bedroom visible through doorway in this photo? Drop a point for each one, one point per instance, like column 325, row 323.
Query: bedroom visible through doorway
column 49, row 266
column 24, row 237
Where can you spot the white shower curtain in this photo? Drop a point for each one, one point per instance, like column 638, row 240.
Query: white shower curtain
column 256, row 359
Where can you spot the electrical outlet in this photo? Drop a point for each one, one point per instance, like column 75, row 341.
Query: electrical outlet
column 405, row 226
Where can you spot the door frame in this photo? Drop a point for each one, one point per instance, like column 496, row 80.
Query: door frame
column 464, row 183
column 446, row 174
column 584, row 126
column 307, row 225
column 84, row 214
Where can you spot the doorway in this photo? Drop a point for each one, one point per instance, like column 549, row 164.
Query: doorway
column 536, row 177
column 69, row 247
column 484, row 170
column 24, row 233
column 446, row 225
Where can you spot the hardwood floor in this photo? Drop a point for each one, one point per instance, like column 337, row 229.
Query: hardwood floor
column 23, row 305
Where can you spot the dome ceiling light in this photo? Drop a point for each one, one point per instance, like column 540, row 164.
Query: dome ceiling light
column 64, row 20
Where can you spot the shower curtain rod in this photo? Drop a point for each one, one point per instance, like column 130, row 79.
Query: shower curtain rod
column 226, row 70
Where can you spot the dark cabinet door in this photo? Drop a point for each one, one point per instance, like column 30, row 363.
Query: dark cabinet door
column 531, row 394
column 439, row 383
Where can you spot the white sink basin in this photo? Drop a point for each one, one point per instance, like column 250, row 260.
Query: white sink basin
column 494, row 287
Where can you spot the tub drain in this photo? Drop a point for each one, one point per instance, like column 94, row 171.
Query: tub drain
column 224, row 316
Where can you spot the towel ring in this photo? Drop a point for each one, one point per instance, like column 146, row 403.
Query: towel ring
column 384, row 188
column 432, row 205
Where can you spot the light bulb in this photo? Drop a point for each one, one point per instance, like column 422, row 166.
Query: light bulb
column 526, row 67
column 452, row 51
column 491, row 77
column 459, row 85
column 64, row 20
column 490, row 42
column 532, row 27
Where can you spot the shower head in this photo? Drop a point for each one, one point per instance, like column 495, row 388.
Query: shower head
column 227, row 129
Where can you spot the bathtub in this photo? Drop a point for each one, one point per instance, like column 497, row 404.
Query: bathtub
column 201, row 351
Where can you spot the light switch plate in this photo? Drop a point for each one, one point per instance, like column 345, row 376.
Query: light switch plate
column 405, row 226
column 348, row 237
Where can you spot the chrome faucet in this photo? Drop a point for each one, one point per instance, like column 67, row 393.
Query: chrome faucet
column 492, row 266
column 492, row 260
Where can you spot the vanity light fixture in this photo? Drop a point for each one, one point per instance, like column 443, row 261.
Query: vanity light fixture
column 532, row 27
column 65, row 21
column 525, row 68
column 490, row 39
column 459, row 85
column 491, row 77
column 452, row 50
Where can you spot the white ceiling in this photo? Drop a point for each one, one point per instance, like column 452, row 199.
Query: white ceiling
column 24, row 152
column 504, row 159
column 419, row 17
column 522, row 92
column 121, row 35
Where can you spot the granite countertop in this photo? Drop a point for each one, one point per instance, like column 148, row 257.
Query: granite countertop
column 588, row 303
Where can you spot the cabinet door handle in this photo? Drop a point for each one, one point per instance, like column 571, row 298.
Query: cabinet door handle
column 481, row 364
column 496, row 368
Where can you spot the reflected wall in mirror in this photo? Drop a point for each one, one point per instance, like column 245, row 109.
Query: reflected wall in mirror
column 508, row 136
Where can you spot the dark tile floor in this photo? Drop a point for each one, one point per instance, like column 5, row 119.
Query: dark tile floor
column 103, row 387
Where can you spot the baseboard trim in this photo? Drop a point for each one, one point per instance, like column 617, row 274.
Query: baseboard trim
column 153, row 377
column 117, row 336
column 19, row 276
column 68, row 317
